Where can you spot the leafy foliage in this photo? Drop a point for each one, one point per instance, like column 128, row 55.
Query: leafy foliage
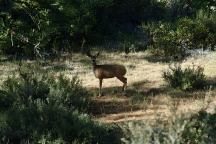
column 144, row 132
column 173, row 40
column 188, row 8
column 195, row 34
column 197, row 129
column 185, row 79
column 201, row 129
column 164, row 40
column 38, row 107
column 31, row 28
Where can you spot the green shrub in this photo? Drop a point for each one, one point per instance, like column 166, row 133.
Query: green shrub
column 198, row 32
column 160, row 132
column 174, row 39
column 209, row 21
column 180, row 8
column 38, row 107
column 164, row 40
column 197, row 129
column 200, row 129
column 35, row 83
column 185, row 79
column 194, row 32
column 31, row 28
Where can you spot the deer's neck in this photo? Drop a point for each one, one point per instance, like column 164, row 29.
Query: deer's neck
column 94, row 64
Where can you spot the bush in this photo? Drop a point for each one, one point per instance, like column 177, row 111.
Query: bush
column 35, row 83
column 185, row 79
column 33, row 28
column 197, row 129
column 173, row 40
column 37, row 107
column 194, row 33
column 200, row 129
column 160, row 132
column 198, row 32
column 164, row 40
column 209, row 21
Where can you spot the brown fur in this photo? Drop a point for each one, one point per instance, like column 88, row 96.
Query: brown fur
column 108, row 71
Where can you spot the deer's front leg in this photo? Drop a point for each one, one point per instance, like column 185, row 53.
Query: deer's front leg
column 100, row 86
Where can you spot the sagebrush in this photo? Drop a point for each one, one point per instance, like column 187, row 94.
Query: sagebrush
column 190, row 78
column 39, row 107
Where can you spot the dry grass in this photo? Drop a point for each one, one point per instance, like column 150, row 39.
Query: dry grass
column 147, row 94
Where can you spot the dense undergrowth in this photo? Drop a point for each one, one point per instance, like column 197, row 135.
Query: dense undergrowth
column 197, row 129
column 36, row 29
column 37, row 107
column 175, row 39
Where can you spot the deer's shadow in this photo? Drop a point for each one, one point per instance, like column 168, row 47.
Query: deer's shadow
column 114, row 101
column 139, row 95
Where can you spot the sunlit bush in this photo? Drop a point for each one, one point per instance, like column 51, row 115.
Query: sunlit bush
column 189, row 78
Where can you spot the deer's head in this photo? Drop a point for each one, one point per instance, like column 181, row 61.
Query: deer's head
column 93, row 57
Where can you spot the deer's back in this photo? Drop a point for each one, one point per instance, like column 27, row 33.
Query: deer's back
column 109, row 71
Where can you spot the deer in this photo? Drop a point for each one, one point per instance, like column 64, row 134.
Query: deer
column 106, row 71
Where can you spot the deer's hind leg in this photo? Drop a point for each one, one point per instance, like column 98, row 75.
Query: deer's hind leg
column 100, row 86
column 124, row 81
